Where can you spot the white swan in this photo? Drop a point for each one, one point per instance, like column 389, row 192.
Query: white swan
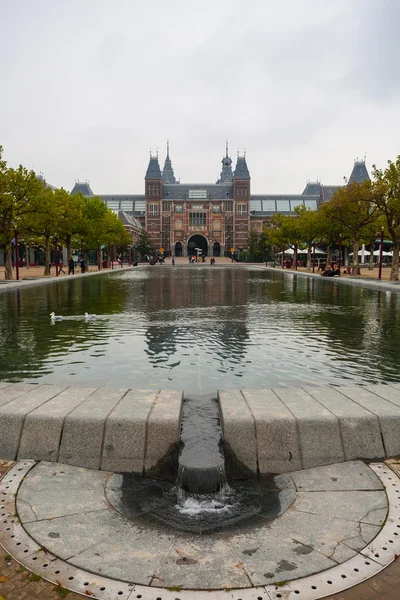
column 54, row 317
column 87, row 316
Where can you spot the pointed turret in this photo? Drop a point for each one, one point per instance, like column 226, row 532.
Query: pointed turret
column 241, row 171
column 82, row 187
column 168, row 172
column 153, row 170
column 359, row 173
column 226, row 173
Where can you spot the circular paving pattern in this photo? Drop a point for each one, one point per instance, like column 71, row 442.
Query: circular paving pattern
column 329, row 538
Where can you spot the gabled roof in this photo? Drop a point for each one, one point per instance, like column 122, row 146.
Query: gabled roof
column 241, row 170
column 128, row 220
column 328, row 191
column 153, row 170
column 215, row 191
column 359, row 173
column 83, row 188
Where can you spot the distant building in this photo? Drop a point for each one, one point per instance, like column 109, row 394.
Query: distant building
column 214, row 217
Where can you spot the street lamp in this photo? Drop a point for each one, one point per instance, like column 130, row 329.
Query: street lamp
column 98, row 255
column 313, row 259
column 16, row 253
column 340, row 252
column 380, row 254
column 56, row 252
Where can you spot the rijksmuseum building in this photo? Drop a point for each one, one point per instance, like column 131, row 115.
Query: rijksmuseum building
column 214, row 217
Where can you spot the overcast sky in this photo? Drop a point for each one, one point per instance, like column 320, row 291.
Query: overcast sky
column 88, row 87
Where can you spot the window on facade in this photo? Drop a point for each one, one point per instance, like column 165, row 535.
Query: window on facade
column 140, row 206
column 113, row 204
column 229, row 206
column 268, row 205
column 255, row 205
column 166, row 206
column 310, row 204
column 197, row 218
column 178, row 208
column 126, row 205
column 216, row 208
column 153, row 209
column 242, row 209
column 195, row 194
column 294, row 203
column 153, row 190
column 282, row 206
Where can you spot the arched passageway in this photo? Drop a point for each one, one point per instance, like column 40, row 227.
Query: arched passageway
column 197, row 241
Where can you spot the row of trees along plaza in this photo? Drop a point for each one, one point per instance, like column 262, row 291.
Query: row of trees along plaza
column 41, row 217
column 358, row 213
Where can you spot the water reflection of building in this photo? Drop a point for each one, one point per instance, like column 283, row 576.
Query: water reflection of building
column 182, row 309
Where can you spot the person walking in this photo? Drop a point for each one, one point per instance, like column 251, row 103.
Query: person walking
column 173, row 261
column 60, row 268
column 71, row 266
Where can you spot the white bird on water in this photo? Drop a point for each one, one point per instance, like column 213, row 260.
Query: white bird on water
column 54, row 317
column 87, row 316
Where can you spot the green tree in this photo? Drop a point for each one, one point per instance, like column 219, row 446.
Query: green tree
column 19, row 193
column 308, row 229
column 387, row 201
column 353, row 207
column 71, row 222
column 144, row 246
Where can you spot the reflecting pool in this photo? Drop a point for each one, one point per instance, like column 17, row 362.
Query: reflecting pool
column 199, row 328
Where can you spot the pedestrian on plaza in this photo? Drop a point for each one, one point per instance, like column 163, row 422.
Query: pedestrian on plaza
column 83, row 265
column 71, row 266
column 60, row 268
column 173, row 261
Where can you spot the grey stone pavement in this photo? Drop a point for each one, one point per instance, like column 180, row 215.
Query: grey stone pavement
column 337, row 510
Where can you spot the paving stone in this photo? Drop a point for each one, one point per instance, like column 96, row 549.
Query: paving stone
column 319, row 429
column 321, row 533
column 376, row 517
column 282, row 559
column 70, row 535
column 9, row 392
column 125, row 432
column 82, row 437
column 342, row 553
column 125, row 552
column 360, row 428
column 163, row 427
column 188, row 560
column 40, row 439
column 13, row 414
column 387, row 413
column 353, row 475
column 238, row 427
column 342, row 505
column 277, row 432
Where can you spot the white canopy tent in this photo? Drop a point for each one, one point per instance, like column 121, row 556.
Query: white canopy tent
column 305, row 251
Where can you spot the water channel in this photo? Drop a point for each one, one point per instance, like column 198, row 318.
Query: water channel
column 199, row 328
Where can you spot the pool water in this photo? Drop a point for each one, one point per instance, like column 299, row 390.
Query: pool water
column 199, row 328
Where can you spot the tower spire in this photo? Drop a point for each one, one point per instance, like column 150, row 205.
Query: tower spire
column 167, row 148
column 226, row 154
column 226, row 173
column 168, row 172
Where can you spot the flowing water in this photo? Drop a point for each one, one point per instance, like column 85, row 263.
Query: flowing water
column 199, row 328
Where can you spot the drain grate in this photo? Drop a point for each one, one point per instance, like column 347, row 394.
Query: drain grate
column 368, row 562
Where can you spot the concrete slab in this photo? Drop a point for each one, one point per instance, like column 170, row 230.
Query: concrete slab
column 163, row 428
column 41, row 434
column 354, row 475
column 125, row 432
column 277, row 432
column 360, row 429
column 188, row 560
column 13, row 414
column 387, row 413
column 238, row 428
column 83, row 433
column 15, row 390
column 319, row 429
column 343, row 505
column 283, row 560
column 388, row 392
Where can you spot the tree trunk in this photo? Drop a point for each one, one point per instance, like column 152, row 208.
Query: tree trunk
column 68, row 246
column 308, row 258
column 47, row 257
column 329, row 255
column 355, row 257
column 346, row 256
column 394, row 272
column 87, row 260
column 371, row 258
column 28, row 257
column 8, row 271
